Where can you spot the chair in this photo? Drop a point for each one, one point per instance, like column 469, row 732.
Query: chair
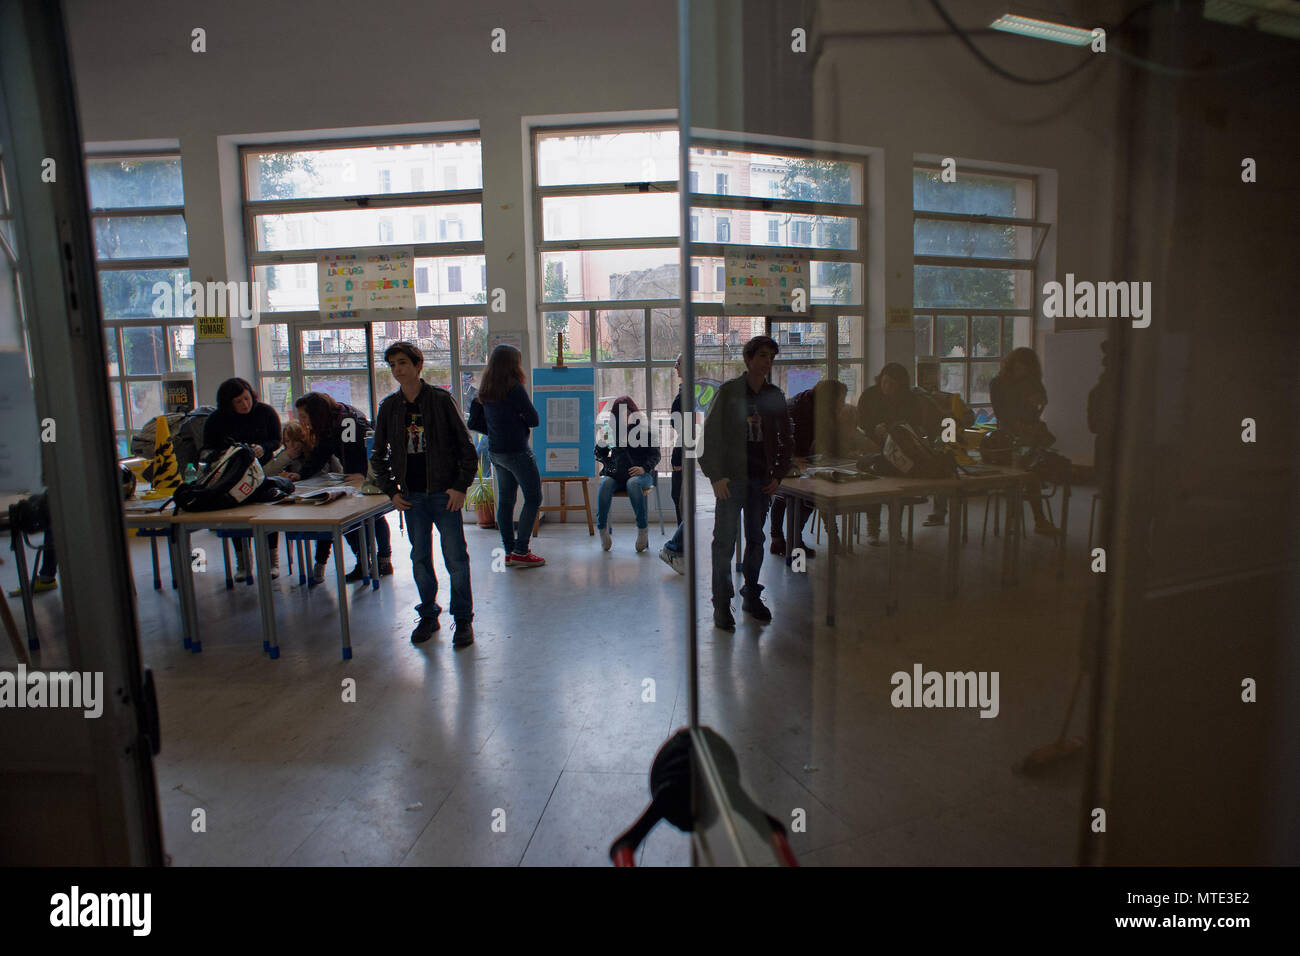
column 996, row 498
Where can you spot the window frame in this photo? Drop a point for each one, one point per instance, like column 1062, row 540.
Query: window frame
column 928, row 314
column 120, row 384
column 300, row 321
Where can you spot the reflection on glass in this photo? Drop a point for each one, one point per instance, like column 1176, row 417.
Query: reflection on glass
column 134, row 182
column 140, row 237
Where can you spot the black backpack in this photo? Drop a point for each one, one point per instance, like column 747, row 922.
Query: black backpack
column 230, row 481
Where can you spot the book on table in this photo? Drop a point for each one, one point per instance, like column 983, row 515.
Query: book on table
column 322, row 496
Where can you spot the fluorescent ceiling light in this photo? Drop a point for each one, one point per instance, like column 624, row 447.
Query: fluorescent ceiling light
column 1042, row 30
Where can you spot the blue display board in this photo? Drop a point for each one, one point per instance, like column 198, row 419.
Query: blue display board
column 564, row 440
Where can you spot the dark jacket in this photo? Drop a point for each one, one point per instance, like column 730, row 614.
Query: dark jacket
column 352, row 453
column 676, row 460
column 1017, row 405
column 725, row 453
column 617, row 460
column 261, row 426
column 818, row 431
column 450, row 462
column 908, row 407
column 506, row 423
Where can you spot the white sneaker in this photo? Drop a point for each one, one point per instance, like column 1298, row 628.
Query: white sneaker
column 606, row 542
column 317, row 574
column 674, row 560
column 642, row 539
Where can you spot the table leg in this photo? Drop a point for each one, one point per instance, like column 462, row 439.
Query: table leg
column 372, row 539
column 25, row 586
column 343, row 594
column 1065, row 529
column 265, row 594
column 1011, row 536
column 189, row 604
column 831, row 563
column 894, row 531
column 791, row 529
column 153, row 552
column 954, row 540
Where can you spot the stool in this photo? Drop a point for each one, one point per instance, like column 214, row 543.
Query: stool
column 563, row 507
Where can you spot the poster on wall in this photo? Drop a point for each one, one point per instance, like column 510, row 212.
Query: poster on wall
column 354, row 283
column 565, row 437
column 211, row 328
column 178, row 392
column 767, row 279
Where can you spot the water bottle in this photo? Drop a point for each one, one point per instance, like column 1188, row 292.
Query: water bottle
column 191, row 473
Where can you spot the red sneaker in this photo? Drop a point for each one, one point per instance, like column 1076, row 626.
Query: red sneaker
column 528, row 560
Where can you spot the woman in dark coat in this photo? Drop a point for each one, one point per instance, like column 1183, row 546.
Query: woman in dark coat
column 1019, row 398
column 627, row 464
column 241, row 419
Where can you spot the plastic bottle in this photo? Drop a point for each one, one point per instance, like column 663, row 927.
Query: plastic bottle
column 191, row 473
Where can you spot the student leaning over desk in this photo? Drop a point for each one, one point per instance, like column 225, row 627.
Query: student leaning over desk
column 424, row 460
column 339, row 430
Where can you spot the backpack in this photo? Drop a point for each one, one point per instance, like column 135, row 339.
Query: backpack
column 913, row 457
column 186, row 429
column 230, row 481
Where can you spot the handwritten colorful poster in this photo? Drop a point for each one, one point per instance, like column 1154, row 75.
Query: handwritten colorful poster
column 359, row 281
column 766, row 279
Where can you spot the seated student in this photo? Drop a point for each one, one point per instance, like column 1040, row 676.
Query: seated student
column 822, row 424
column 627, row 464
column 47, row 574
column 1019, row 398
column 891, row 401
column 747, row 451
column 241, row 418
column 339, row 430
column 951, row 406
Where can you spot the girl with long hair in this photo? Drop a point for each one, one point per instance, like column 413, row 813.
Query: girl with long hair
column 502, row 411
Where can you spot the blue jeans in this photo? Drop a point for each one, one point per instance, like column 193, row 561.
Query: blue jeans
column 426, row 511
column 746, row 498
column 635, row 487
column 674, row 544
column 517, row 469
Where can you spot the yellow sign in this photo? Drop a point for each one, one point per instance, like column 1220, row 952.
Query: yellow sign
column 898, row 317
column 211, row 327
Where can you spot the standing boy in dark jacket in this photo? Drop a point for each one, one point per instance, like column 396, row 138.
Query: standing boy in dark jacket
column 424, row 460
column 747, row 451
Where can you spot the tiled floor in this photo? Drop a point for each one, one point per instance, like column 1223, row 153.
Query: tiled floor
column 533, row 745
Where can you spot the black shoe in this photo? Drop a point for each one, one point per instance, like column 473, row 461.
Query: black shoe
column 356, row 574
column 463, row 635
column 722, row 617
column 778, row 545
column 755, row 608
column 424, row 630
column 385, row 567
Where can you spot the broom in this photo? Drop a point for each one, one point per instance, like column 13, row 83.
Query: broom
column 1044, row 758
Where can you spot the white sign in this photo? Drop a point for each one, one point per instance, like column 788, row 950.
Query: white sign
column 561, row 459
column 562, row 420
column 766, row 278
column 360, row 281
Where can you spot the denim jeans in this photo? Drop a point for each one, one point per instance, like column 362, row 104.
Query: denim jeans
column 636, row 489
column 428, row 510
column 674, row 543
column 747, row 499
column 516, row 470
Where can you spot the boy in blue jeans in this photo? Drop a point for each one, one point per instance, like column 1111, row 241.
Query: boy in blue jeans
column 424, row 460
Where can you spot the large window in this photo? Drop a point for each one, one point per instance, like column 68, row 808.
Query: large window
column 303, row 200
column 138, row 219
column 975, row 243
column 609, row 274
